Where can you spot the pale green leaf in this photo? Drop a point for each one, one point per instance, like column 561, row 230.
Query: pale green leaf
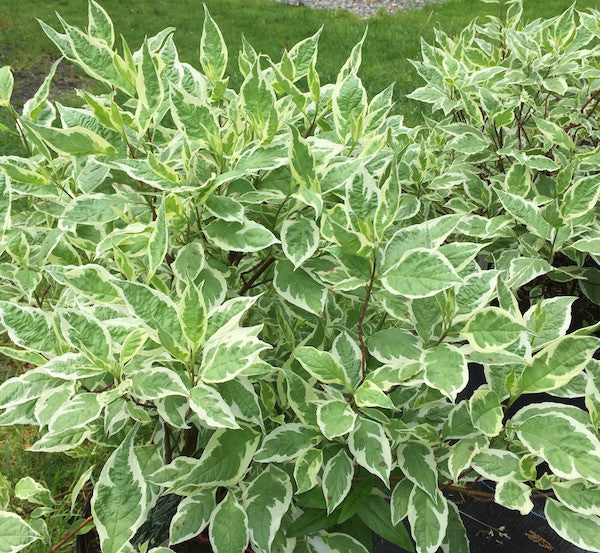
column 420, row 273
column 228, row 529
column 337, row 479
column 492, row 329
column 121, row 498
column 581, row 530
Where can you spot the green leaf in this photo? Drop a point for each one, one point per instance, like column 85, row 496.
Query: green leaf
column 307, row 468
column 225, row 458
column 158, row 312
column 100, row 25
column 7, row 82
column 548, row 320
column 581, row 197
column 28, row 489
column 569, row 448
column 189, row 262
column 525, row 212
column 76, row 413
column 417, row 462
column 370, row 447
column 15, row 533
column 240, row 237
column 456, row 539
column 267, row 499
column 285, row 443
column 335, row 418
column 497, row 464
column 208, row 404
column 445, row 369
column 225, row 357
column 213, row 50
column 192, row 516
column 399, row 500
column 193, row 117
column 420, row 273
column 486, row 411
column 349, row 107
column 375, row 513
column 72, row 141
column 581, row 530
column 299, row 288
column 94, row 209
column 337, row 479
column 27, row 327
column 322, row 365
column 5, row 203
column 428, row 520
column 368, row 394
column 336, row 543
column 359, row 493
column 121, row 498
column 302, row 166
column 310, row 522
column 556, row 364
column 514, row 495
column 578, row 496
column 299, row 239
column 492, row 329
column 192, row 316
column 228, row 529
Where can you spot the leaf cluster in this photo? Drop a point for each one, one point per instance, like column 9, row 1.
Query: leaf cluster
column 267, row 302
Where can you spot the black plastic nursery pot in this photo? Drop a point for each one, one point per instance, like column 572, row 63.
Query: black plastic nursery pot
column 490, row 528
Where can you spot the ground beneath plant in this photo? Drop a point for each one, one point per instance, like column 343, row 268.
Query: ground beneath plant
column 28, row 79
column 363, row 8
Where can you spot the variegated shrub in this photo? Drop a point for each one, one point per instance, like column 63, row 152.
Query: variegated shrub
column 263, row 303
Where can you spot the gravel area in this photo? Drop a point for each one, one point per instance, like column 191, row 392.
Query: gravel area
column 364, row 8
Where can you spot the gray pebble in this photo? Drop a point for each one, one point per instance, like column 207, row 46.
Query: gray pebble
column 363, row 8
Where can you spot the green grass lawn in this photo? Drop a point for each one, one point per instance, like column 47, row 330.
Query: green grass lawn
column 271, row 28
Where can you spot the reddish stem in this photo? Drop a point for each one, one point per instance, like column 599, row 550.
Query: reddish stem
column 363, row 361
column 592, row 98
column 261, row 269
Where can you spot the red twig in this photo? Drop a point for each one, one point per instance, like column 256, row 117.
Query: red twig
column 363, row 361
column 261, row 269
column 71, row 534
column 592, row 98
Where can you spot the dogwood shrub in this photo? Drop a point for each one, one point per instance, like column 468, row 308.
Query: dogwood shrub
column 264, row 303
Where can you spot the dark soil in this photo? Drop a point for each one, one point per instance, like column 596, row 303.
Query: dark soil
column 28, row 79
